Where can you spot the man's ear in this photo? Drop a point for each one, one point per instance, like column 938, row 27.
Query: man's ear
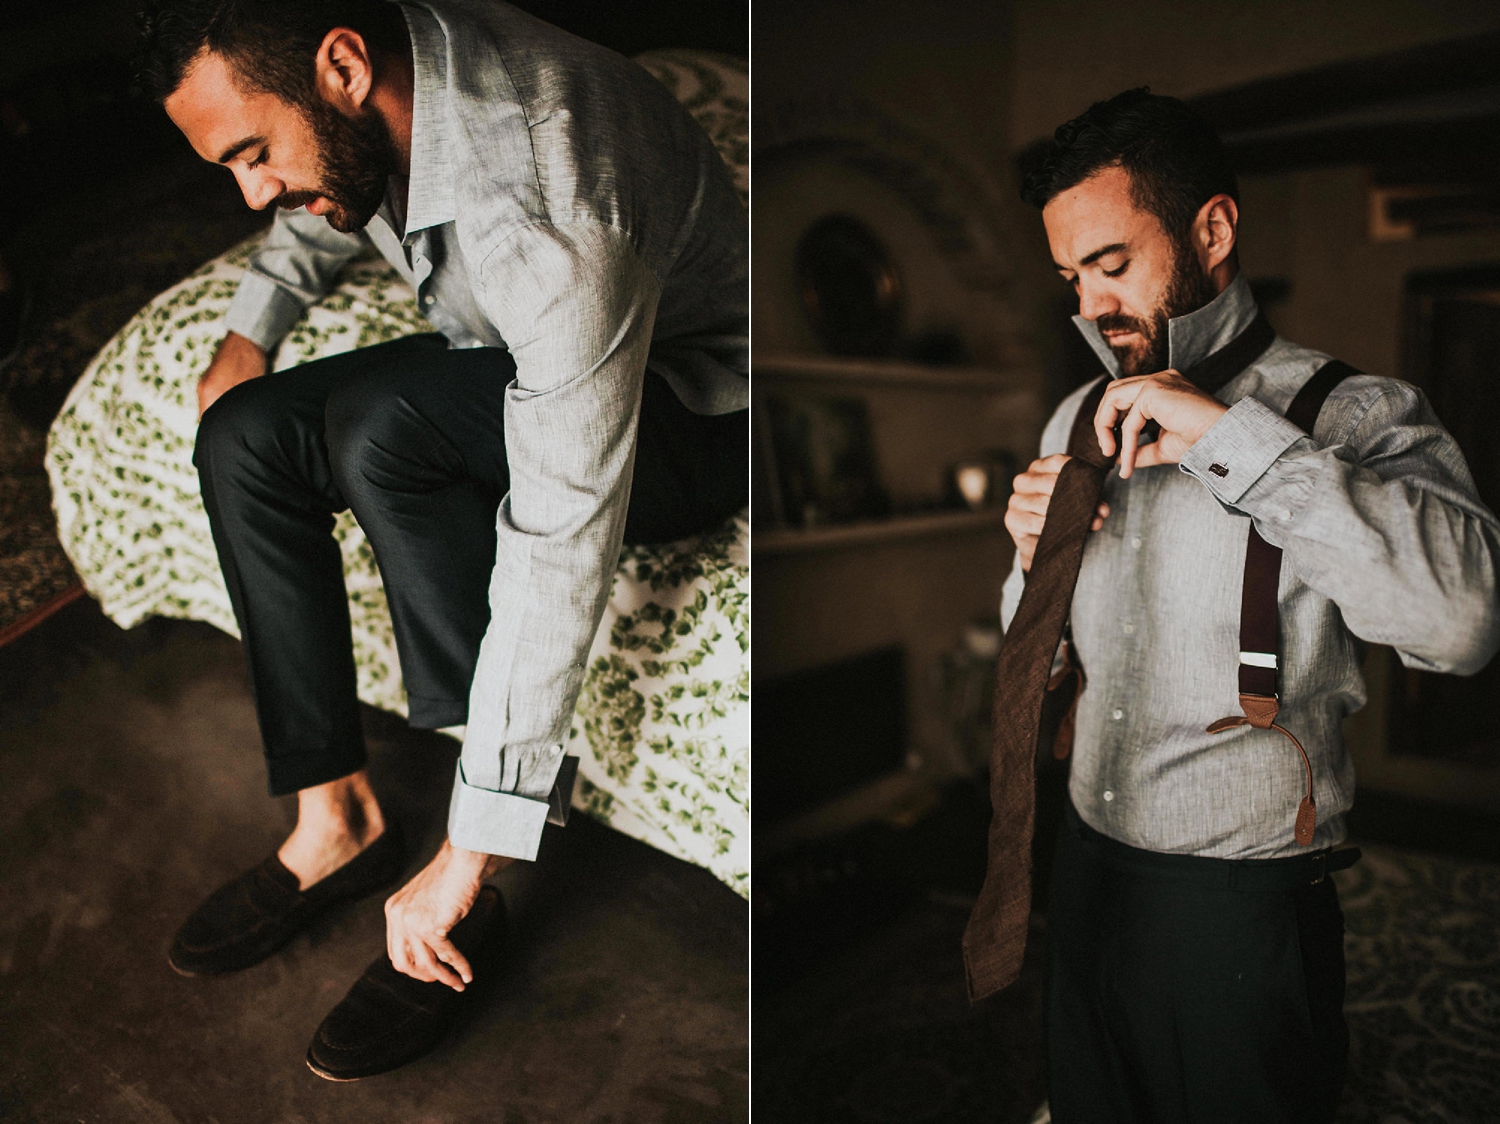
column 345, row 70
column 1216, row 230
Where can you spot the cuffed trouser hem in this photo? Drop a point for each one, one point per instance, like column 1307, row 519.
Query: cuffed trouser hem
column 292, row 774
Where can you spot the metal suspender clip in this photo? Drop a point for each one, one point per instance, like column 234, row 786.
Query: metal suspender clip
column 1320, row 864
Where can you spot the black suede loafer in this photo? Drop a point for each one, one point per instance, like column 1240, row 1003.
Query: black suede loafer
column 389, row 1019
column 250, row 917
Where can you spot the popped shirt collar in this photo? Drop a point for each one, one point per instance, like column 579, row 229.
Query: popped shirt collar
column 1191, row 338
column 429, row 189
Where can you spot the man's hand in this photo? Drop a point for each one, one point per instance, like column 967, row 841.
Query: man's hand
column 1184, row 413
column 419, row 916
column 1027, row 510
column 237, row 360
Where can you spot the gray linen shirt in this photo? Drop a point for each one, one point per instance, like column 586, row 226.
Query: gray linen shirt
column 1384, row 542
column 563, row 205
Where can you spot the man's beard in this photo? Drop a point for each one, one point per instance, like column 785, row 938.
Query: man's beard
column 1189, row 289
column 357, row 156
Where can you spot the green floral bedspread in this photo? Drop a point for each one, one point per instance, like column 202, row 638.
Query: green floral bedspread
column 661, row 727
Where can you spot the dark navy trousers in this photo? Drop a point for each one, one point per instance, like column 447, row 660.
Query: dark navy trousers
column 1185, row 989
column 410, row 436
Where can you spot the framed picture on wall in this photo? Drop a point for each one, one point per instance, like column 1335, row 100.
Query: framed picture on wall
column 822, row 459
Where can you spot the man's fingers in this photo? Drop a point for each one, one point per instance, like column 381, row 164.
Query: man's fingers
column 434, row 969
column 1024, row 524
column 1122, row 396
column 1024, row 519
column 1148, row 455
column 448, row 953
column 1130, row 436
column 1040, row 475
column 1117, row 400
column 1034, row 502
column 1104, row 427
column 1034, row 484
column 400, row 954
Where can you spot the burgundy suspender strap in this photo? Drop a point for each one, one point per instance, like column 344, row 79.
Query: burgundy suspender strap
column 1260, row 625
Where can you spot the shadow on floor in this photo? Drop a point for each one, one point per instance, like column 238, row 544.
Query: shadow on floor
column 131, row 767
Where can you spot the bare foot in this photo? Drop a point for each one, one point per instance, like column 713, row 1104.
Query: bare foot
column 335, row 822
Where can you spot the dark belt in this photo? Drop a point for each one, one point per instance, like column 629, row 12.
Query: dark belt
column 1250, row 875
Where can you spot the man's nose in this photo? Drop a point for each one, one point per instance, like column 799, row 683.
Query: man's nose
column 259, row 189
column 1095, row 301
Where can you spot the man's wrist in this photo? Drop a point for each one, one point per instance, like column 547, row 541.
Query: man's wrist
column 239, row 348
column 1238, row 448
column 1213, row 410
column 476, row 864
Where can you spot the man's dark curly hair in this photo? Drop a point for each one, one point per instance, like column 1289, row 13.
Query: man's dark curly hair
column 1175, row 160
column 270, row 44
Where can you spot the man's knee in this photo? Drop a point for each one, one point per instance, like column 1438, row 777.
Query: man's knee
column 241, row 431
column 376, row 439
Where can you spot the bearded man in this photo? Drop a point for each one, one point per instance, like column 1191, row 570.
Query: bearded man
column 1195, row 966
column 576, row 240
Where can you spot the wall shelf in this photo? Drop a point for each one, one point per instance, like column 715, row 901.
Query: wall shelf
column 840, row 536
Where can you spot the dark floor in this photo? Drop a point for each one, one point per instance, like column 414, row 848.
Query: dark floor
column 133, row 785
column 861, row 1015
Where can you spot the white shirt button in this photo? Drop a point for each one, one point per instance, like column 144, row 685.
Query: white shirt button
column 1118, row 714
column 1136, row 542
column 1128, row 628
column 1108, row 795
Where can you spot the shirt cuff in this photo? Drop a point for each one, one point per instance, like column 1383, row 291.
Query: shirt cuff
column 502, row 823
column 1240, row 447
column 262, row 311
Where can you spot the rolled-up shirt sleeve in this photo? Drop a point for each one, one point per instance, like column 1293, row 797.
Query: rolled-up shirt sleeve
column 576, row 306
column 295, row 266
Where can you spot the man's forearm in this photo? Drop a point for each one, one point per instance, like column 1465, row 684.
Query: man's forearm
column 296, row 265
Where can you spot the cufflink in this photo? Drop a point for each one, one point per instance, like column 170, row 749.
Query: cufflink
column 1218, row 470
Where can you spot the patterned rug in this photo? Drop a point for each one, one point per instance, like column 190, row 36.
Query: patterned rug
column 35, row 575
column 1422, row 938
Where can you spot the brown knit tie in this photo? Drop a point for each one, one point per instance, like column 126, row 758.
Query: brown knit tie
column 995, row 938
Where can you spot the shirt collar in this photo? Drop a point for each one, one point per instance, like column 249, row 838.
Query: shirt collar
column 429, row 192
column 1191, row 338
